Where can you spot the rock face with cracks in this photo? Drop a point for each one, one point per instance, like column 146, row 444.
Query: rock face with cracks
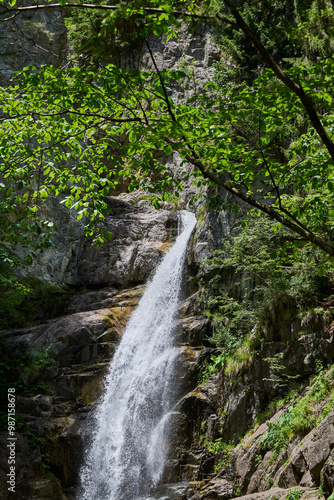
column 33, row 38
column 84, row 339
column 111, row 281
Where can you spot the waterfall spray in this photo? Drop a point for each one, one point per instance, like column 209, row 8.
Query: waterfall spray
column 130, row 440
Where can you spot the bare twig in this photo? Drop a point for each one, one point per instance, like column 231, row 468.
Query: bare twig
column 264, row 159
column 71, row 111
column 170, row 111
column 145, row 10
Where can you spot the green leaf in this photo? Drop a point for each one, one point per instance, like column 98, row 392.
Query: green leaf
column 132, row 137
column 144, row 32
column 168, row 150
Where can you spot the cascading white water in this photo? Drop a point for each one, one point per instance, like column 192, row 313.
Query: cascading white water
column 129, row 445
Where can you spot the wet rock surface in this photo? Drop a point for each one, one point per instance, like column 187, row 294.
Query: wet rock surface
column 83, row 339
column 138, row 240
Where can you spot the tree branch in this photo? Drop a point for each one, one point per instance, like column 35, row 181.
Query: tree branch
column 59, row 142
column 136, row 98
column 264, row 159
column 71, row 111
column 296, row 89
column 239, row 22
column 170, row 111
column 267, row 209
column 144, row 10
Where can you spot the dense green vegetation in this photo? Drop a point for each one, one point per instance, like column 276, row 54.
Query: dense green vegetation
column 300, row 415
column 278, row 128
column 270, row 275
column 261, row 129
column 294, row 33
column 22, row 371
column 97, row 37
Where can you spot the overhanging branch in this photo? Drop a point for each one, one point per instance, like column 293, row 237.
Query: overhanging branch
column 143, row 10
column 296, row 89
column 267, row 209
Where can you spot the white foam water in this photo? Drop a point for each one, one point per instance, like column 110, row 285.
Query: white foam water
column 130, row 438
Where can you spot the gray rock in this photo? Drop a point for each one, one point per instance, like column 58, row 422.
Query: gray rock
column 216, row 489
column 31, row 481
column 32, row 38
column 308, row 459
column 138, row 241
column 192, row 330
column 327, row 474
column 281, row 493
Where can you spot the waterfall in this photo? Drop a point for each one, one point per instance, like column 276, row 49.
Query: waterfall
column 130, row 440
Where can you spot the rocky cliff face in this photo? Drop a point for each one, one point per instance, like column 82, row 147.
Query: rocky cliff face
column 236, row 400
column 210, row 456
column 220, row 410
column 84, row 340
column 134, row 249
column 34, row 38
column 287, row 448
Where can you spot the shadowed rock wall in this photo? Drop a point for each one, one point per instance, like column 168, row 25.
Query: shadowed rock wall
column 32, row 38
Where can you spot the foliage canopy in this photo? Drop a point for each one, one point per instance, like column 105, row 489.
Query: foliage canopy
column 76, row 132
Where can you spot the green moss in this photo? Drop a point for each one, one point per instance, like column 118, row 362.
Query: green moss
column 31, row 28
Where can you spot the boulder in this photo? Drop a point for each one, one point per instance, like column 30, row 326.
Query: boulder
column 192, row 330
column 217, row 488
column 138, row 241
column 327, row 475
column 285, row 494
column 309, row 458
